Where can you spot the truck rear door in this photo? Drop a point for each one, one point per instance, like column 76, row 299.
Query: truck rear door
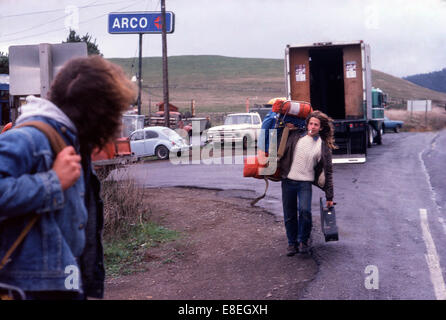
column 297, row 69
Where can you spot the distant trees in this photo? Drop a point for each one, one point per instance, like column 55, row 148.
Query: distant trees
column 92, row 46
column 4, row 63
column 434, row 80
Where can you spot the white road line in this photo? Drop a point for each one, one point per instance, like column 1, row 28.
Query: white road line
column 432, row 260
column 428, row 178
column 443, row 224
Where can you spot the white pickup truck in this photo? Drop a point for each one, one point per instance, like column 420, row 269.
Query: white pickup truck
column 238, row 127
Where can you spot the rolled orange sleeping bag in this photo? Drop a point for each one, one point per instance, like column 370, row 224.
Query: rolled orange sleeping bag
column 298, row 109
column 253, row 164
column 251, row 167
column 7, row 127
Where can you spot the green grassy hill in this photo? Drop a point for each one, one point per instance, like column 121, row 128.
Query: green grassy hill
column 202, row 69
column 216, row 83
column 222, row 84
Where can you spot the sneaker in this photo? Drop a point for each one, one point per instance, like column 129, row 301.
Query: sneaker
column 304, row 248
column 292, row 250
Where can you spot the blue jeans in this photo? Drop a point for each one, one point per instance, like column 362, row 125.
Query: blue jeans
column 296, row 197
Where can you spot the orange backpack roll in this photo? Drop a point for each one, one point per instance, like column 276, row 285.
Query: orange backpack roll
column 252, row 166
column 298, row 109
column 7, row 127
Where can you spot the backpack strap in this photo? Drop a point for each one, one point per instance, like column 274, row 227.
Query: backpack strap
column 57, row 144
column 18, row 241
column 55, row 139
column 253, row 202
column 280, row 152
column 283, row 140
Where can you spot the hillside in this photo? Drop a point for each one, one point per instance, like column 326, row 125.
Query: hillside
column 398, row 88
column 222, row 84
column 216, row 83
column 433, row 80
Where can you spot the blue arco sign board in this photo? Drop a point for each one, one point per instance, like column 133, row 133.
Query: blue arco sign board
column 139, row 22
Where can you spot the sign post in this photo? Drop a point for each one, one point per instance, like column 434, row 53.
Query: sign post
column 140, row 74
column 140, row 23
column 165, row 71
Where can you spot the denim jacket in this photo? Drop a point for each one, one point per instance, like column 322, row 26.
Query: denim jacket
column 51, row 255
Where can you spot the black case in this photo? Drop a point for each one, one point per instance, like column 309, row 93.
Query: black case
column 328, row 223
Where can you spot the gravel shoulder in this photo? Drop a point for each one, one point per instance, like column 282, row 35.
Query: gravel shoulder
column 226, row 250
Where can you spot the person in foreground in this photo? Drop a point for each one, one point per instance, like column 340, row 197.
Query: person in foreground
column 62, row 255
column 306, row 161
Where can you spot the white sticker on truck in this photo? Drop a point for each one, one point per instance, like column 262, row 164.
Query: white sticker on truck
column 350, row 69
column 300, row 72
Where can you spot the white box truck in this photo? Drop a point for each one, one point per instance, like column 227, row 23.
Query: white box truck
column 336, row 78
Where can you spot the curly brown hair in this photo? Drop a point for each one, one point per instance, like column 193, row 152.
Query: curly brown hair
column 93, row 93
column 327, row 128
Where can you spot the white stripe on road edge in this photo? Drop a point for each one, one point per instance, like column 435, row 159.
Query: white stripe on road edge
column 443, row 224
column 432, row 258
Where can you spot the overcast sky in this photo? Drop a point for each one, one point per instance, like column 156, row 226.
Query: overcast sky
column 406, row 36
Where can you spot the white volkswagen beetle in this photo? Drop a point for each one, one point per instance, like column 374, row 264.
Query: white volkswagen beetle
column 159, row 141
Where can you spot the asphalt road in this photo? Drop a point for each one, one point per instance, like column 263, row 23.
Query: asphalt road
column 389, row 212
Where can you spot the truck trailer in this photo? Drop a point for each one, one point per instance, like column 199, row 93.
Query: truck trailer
column 336, row 78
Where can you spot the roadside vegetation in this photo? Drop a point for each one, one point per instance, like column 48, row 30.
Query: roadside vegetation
column 129, row 234
column 419, row 121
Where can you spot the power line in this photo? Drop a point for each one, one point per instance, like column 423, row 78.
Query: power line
column 48, row 22
column 60, row 29
column 56, row 10
column 36, row 26
column 86, row 21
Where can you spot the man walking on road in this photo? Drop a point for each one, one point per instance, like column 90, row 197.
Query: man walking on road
column 306, row 161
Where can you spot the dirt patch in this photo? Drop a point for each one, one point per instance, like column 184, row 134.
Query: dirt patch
column 227, row 250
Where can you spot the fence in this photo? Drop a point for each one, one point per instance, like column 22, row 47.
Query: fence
column 419, row 105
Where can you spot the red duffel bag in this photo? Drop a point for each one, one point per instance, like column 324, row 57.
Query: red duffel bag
column 298, row 109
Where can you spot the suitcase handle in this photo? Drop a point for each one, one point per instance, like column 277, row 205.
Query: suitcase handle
column 322, row 205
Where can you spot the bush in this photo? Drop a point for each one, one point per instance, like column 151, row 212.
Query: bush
column 419, row 121
column 124, row 206
column 128, row 233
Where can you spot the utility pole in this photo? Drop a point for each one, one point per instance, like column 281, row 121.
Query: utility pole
column 140, row 74
column 165, row 74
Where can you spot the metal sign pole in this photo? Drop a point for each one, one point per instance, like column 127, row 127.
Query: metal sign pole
column 46, row 68
column 165, row 75
column 140, row 74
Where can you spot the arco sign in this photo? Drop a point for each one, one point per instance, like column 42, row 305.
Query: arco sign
column 139, row 22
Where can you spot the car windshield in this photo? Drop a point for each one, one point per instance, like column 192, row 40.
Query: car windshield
column 238, row 119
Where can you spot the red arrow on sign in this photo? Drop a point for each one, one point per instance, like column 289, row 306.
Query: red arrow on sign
column 158, row 23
